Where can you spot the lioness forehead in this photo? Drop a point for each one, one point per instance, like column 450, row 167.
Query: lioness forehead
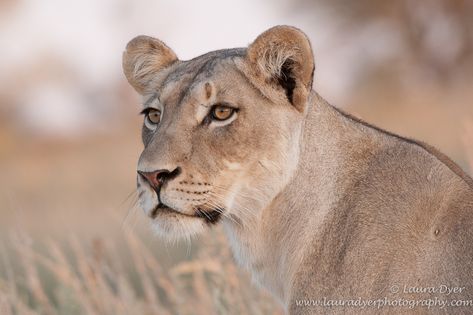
column 188, row 72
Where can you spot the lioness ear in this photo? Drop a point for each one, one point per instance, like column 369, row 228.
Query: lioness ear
column 144, row 56
column 282, row 57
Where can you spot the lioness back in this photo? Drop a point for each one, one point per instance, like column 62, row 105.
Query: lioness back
column 406, row 224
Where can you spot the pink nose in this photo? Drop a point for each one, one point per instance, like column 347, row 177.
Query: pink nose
column 158, row 178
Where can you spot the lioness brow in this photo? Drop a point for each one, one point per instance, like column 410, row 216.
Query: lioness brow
column 150, row 100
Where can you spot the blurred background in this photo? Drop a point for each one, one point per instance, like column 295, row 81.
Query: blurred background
column 72, row 240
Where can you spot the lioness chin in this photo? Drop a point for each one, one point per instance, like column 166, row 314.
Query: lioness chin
column 326, row 211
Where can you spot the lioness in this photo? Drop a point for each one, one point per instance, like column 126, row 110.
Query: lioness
column 331, row 214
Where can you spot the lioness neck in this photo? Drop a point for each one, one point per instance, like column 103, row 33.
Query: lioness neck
column 331, row 148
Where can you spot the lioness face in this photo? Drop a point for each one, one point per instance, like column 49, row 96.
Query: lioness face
column 221, row 132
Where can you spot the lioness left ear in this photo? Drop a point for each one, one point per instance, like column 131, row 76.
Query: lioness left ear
column 282, row 56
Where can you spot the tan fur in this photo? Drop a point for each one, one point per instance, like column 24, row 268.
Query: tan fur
column 316, row 204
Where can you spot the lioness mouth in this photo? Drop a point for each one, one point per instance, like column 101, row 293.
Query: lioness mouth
column 211, row 217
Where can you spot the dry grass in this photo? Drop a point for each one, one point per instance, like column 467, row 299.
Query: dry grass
column 99, row 278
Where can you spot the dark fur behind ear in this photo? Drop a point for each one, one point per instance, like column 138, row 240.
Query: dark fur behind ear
column 282, row 57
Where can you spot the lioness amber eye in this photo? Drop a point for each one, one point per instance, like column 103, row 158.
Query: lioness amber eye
column 154, row 116
column 221, row 112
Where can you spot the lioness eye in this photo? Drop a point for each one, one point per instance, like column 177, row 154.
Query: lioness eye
column 221, row 112
column 153, row 116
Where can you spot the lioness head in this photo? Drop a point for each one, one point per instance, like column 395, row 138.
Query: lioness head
column 221, row 131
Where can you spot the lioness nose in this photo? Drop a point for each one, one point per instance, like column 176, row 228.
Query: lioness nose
column 159, row 177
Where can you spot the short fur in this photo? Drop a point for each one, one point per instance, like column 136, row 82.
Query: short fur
column 316, row 203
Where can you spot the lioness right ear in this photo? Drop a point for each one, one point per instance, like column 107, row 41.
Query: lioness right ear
column 144, row 56
column 282, row 57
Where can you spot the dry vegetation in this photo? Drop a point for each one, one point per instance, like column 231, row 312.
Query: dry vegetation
column 99, row 278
